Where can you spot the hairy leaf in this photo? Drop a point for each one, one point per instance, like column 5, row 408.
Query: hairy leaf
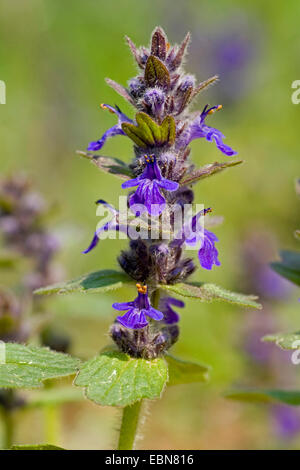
column 211, row 292
column 110, row 165
column 29, row 366
column 288, row 397
column 121, row 90
column 204, row 85
column 116, row 379
column 180, row 53
column 134, row 52
column 159, row 44
column 98, row 281
column 284, row 340
column 208, row 170
column 185, row 372
column 156, row 73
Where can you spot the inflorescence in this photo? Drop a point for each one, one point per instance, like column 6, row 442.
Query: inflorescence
column 161, row 131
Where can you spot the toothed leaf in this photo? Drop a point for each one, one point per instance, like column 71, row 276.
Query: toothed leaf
column 117, row 379
column 210, row 293
column 28, row 366
column 98, row 281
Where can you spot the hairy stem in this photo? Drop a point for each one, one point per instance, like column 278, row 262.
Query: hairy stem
column 129, row 426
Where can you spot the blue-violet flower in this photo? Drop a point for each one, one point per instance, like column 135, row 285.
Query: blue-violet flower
column 138, row 309
column 148, row 195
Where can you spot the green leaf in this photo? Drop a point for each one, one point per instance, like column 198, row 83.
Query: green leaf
column 168, row 130
column 289, row 266
column 111, row 165
column 135, row 133
column 116, row 379
column 284, row 340
column 210, row 293
column 288, row 397
column 98, row 281
column 185, row 372
column 29, row 366
column 36, row 447
column 149, row 127
column 208, row 170
column 54, row 396
column 147, row 133
column 204, row 85
column 156, row 73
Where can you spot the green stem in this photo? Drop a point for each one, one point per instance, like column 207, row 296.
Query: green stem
column 155, row 298
column 52, row 424
column 8, row 429
column 129, row 426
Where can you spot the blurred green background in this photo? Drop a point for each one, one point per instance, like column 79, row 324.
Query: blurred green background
column 54, row 57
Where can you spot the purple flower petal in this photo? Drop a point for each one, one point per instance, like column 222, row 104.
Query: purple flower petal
column 168, row 184
column 155, row 314
column 122, row 305
column 131, row 183
column 208, row 254
column 198, row 129
column 111, row 225
column 138, row 309
column 170, row 316
column 113, row 131
column 133, row 319
column 148, row 191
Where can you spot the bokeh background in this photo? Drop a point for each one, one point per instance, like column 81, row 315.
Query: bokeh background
column 54, row 57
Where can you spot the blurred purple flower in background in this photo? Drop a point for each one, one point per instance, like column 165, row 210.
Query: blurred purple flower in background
column 271, row 363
